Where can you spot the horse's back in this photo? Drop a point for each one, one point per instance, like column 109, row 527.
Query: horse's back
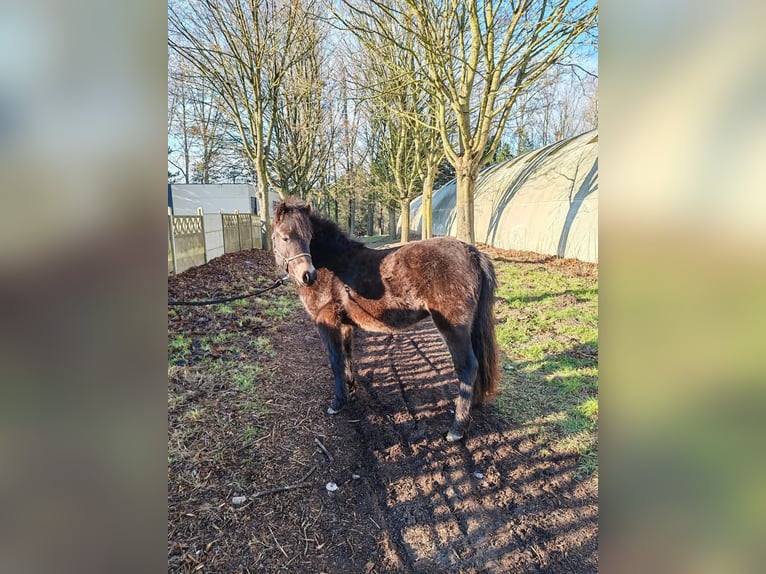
column 435, row 260
column 443, row 273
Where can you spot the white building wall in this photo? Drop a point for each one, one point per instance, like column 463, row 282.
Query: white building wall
column 212, row 198
column 216, row 198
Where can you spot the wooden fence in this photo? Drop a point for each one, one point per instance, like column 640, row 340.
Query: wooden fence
column 196, row 239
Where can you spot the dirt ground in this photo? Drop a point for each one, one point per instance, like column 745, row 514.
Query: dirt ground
column 406, row 499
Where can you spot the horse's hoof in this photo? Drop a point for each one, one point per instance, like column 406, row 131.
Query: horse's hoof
column 454, row 435
column 335, row 407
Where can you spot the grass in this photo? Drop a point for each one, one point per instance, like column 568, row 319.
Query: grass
column 548, row 333
column 249, row 321
column 179, row 349
column 282, row 307
column 194, row 415
column 224, row 338
column 262, row 345
column 244, row 377
column 228, row 360
column 196, row 419
column 250, row 433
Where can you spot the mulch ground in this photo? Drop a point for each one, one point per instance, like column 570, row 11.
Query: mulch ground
column 406, row 499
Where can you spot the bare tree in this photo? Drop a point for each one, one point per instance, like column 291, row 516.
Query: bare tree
column 389, row 82
column 178, row 120
column 303, row 130
column 479, row 57
column 208, row 131
column 560, row 106
column 244, row 49
column 348, row 173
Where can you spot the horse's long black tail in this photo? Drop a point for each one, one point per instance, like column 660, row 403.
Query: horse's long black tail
column 483, row 337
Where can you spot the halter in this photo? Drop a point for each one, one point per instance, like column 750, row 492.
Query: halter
column 287, row 260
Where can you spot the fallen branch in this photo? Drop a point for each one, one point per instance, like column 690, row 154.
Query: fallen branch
column 324, row 450
column 309, row 473
column 301, row 484
column 277, row 541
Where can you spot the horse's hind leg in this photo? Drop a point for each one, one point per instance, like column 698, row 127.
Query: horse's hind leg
column 458, row 341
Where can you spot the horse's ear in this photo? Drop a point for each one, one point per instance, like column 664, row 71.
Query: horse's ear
column 308, row 209
column 279, row 210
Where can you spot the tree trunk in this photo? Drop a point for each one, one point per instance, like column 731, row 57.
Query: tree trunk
column 405, row 205
column 187, row 158
column 466, row 183
column 392, row 219
column 426, row 207
column 263, row 194
column 381, row 220
column 370, row 219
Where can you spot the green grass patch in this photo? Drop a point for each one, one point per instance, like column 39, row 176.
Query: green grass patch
column 179, row 349
column 281, row 307
column 224, row 338
column 244, row 378
column 249, row 321
column 548, row 334
column 213, row 368
column 224, row 309
column 249, row 434
column 589, row 463
column 256, row 407
column 263, row 346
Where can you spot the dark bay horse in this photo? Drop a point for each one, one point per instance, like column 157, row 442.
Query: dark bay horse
column 343, row 284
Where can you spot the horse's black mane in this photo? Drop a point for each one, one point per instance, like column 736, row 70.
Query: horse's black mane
column 327, row 235
column 327, row 239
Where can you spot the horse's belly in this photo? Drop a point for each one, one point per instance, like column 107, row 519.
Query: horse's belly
column 399, row 319
column 383, row 320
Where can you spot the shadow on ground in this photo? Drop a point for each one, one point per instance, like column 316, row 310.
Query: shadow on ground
column 496, row 502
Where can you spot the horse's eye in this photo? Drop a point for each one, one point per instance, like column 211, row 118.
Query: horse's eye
column 284, row 239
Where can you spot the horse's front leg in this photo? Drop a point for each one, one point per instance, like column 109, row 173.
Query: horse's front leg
column 347, row 333
column 332, row 334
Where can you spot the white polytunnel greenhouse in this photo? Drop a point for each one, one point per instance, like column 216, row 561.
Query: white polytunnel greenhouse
column 544, row 201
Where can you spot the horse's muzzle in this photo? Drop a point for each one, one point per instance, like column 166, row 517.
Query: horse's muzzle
column 309, row 277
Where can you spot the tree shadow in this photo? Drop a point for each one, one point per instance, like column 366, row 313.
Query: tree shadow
column 576, row 293
column 588, row 186
column 530, row 167
column 499, row 501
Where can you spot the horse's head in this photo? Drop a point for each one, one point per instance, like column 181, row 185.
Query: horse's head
column 291, row 237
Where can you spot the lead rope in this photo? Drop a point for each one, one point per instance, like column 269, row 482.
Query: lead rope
column 277, row 283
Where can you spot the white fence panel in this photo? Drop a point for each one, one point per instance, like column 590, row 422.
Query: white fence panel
column 196, row 239
column 213, row 235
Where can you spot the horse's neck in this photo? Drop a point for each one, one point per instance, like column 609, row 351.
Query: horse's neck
column 333, row 249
